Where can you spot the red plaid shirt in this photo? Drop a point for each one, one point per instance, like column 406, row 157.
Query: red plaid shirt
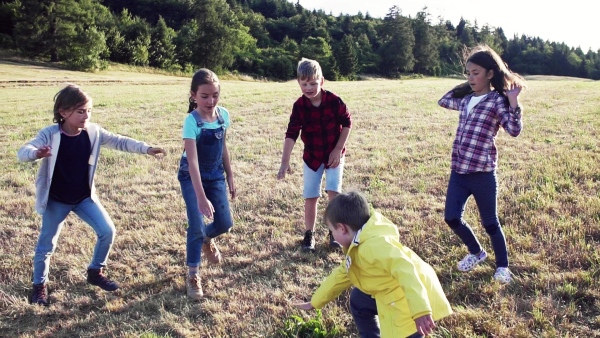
column 321, row 127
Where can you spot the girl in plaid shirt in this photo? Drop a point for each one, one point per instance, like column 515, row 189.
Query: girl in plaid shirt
column 488, row 100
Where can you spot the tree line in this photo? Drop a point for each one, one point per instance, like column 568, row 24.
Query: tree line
column 266, row 38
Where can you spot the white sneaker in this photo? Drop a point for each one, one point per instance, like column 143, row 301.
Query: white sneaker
column 194, row 289
column 470, row 261
column 503, row 275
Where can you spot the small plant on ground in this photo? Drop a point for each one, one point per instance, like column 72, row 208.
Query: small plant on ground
column 297, row 327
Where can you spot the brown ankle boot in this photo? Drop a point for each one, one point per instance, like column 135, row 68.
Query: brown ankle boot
column 210, row 251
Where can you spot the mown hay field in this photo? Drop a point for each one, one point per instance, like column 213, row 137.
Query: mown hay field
column 398, row 155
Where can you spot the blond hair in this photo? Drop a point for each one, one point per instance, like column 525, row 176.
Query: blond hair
column 309, row 69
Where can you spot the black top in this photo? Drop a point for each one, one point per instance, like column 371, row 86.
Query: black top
column 70, row 179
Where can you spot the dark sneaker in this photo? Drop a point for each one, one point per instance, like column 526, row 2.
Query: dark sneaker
column 210, row 251
column 96, row 277
column 332, row 243
column 39, row 294
column 308, row 243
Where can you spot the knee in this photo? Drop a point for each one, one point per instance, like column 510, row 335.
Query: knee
column 195, row 232
column 108, row 234
column 227, row 226
column 492, row 228
column 454, row 223
column 331, row 194
column 45, row 252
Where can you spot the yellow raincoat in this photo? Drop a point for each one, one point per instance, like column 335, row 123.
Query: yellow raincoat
column 403, row 285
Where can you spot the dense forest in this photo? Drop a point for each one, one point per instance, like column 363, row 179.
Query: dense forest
column 266, row 38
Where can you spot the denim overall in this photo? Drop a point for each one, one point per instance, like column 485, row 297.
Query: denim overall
column 209, row 146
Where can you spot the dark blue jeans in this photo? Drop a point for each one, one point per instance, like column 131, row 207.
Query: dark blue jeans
column 364, row 312
column 484, row 188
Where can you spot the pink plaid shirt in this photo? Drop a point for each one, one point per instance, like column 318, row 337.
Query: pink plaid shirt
column 474, row 148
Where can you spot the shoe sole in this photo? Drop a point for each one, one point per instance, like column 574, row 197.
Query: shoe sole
column 106, row 289
column 195, row 297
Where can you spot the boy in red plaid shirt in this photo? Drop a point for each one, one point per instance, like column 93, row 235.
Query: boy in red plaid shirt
column 324, row 123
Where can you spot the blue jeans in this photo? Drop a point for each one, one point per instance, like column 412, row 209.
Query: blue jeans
column 216, row 192
column 484, row 188
column 53, row 218
column 364, row 312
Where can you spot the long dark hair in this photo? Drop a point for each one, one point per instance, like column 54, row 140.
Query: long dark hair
column 488, row 59
column 201, row 77
column 71, row 96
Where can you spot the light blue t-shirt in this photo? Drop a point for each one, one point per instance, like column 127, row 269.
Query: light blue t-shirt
column 192, row 131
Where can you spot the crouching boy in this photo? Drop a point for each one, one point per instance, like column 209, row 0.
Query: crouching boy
column 395, row 294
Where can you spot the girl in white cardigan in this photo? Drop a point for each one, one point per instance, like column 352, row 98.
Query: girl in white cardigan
column 69, row 151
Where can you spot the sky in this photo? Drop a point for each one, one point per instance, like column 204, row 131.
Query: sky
column 571, row 22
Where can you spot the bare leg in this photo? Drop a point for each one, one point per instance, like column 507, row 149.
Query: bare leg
column 310, row 213
column 331, row 194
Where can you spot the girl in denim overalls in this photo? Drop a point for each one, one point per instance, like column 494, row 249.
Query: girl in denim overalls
column 203, row 169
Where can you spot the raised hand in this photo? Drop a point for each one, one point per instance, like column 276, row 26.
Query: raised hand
column 512, row 93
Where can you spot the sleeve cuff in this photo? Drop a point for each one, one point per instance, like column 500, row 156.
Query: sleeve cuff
column 517, row 111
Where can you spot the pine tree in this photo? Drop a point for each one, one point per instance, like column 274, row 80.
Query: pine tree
column 219, row 35
column 347, row 58
column 396, row 52
column 162, row 49
column 425, row 50
column 131, row 44
column 61, row 30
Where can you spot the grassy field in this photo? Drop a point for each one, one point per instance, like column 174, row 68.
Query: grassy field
column 398, row 155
